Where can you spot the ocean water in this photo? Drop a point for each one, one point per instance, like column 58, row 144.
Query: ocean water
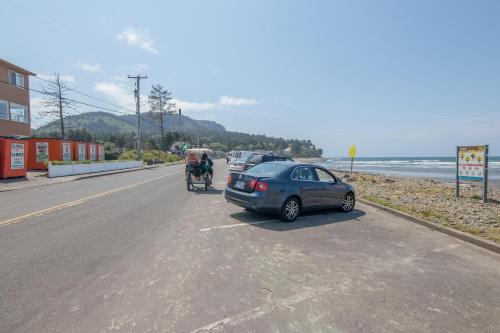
column 425, row 167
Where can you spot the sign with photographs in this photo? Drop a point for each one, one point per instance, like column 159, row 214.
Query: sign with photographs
column 101, row 153
column 66, row 151
column 92, row 152
column 42, row 152
column 16, row 156
column 471, row 163
column 81, row 151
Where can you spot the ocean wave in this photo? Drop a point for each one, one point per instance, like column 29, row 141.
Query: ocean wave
column 405, row 164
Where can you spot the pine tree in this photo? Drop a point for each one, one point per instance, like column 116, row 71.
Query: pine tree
column 160, row 101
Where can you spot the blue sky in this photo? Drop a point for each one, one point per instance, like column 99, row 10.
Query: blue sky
column 396, row 78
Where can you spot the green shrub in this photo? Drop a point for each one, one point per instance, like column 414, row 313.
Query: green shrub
column 150, row 156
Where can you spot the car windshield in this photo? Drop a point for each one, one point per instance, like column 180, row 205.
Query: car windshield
column 267, row 170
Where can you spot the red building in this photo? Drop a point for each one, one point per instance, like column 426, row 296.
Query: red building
column 15, row 116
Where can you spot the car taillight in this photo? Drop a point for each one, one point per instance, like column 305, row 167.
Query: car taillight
column 258, row 186
column 252, row 183
column 261, row 186
column 229, row 179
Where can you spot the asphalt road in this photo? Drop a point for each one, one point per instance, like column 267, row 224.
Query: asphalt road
column 136, row 252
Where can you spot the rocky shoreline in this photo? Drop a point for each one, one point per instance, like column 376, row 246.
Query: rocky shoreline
column 433, row 201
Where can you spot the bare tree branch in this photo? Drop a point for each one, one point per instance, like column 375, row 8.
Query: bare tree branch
column 56, row 104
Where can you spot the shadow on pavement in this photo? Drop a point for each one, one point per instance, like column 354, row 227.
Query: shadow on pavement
column 211, row 191
column 306, row 220
column 14, row 180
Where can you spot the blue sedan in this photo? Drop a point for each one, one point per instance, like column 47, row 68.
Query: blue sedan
column 287, row 189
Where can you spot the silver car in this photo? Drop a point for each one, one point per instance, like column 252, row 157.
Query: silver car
column 288, row 188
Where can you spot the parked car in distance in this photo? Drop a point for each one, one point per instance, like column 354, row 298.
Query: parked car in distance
column 257, row 158
column 238, row 159
column 288, row 188
column 240, row 154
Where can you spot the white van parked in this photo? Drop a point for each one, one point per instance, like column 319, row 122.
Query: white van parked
column 238, row 159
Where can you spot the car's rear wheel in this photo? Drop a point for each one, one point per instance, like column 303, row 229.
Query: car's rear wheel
column 290, row 210
column 348, row 202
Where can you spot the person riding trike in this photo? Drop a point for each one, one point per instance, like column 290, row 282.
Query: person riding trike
column 198, row 168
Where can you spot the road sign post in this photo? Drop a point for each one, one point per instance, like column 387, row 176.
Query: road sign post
column 485, row 181
column 352, row 155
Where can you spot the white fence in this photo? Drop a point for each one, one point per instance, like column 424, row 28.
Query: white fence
column 79, row 169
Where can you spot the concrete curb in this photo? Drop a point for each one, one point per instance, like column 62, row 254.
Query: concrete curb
column 485, row 244
column 108, row 173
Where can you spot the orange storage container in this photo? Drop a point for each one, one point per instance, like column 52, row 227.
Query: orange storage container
column 79, row 151
column 101, row 151
column 13, row 158
column 92, row 151
column 42, row 150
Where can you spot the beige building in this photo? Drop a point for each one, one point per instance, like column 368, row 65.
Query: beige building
column 14, row 100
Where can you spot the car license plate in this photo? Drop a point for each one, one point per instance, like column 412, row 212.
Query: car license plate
column 239, row 184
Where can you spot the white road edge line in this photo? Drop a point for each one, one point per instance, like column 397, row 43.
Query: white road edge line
column 253, row 223
column 238, row 225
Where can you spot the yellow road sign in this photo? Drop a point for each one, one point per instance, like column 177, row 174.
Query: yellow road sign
column 352, row 151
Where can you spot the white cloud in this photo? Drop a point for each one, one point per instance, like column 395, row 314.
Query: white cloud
column 64, row 77
column 208, row 106
column 141, row 67
column 36, row 106
column 194, row 106
column 118, row 93
column 88, row 67
column 233, row 101
column 137, row 38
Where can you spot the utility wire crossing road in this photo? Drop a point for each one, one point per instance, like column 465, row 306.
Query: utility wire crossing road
column 136, row 252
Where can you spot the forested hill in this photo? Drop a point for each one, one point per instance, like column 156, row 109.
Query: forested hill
column 120, row 130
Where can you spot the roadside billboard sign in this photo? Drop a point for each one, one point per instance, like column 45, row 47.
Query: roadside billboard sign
column 42, row 152
column 16, row 156
column 81, row 152
column 92, row 155
column 101, row 152
column 472, row 165
column 66, row 151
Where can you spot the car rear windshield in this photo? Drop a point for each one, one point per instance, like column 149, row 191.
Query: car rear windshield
column 266, row 170
column 254, row 159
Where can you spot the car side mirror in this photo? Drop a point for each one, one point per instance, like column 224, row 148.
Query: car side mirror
column 339, row 180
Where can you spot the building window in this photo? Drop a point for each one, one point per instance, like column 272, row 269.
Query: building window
column 4, row 110
column 16, row 79
column 18, row 113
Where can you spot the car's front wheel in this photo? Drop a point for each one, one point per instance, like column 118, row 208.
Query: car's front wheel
column 290, row 210
column 348, row 202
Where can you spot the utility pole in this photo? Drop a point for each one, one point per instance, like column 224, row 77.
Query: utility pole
column 161, row 125
column 180, row 123
column 59, row 95
column 138, row 110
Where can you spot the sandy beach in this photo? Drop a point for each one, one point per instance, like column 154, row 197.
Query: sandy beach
column 434, row 200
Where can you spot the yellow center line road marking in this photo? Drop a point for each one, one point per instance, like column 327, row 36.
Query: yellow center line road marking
column 80, row 201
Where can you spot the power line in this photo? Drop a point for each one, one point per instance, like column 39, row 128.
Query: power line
column 142, row 116
column 104, row 101
column 90, row 96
